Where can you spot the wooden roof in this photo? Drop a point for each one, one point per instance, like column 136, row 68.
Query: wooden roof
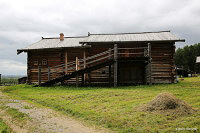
column 68, row 42
column 132, row 37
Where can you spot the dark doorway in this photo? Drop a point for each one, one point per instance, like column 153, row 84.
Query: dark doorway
column 130, row 73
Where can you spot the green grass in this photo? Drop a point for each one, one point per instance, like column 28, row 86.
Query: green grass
column 9, row 81
column 16, row 115
column 3, row 127
column 115, row 108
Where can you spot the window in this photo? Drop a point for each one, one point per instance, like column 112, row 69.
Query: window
column 35, row 63
column 44, row 62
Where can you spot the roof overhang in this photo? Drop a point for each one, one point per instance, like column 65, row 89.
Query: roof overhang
column 19, row 51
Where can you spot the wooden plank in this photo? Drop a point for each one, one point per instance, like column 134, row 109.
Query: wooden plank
column 77, row 79
column 115, row 64
column 83, row 80
column 49, row 74
column 84, row 62
column 66, row 61
column 110, row 80
column 150, row 72
column 39, row 75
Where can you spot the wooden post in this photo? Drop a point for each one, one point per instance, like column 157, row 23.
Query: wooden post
column 110, row 80
column 83, row 80
column 84, row 57
column 66, row 61
column 77, row 70
column 115, row 64
column 49, row 74
column 150, row 71
column 173, row 73
column 39, row 75
column 110, row 52
column 0, row 79
column 84, row 62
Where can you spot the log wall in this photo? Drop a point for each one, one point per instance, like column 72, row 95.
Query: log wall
column 35, row 59
column 162, row 65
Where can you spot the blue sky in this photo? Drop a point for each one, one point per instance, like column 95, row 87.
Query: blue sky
column 24, row 22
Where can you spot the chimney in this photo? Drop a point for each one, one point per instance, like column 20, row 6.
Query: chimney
column 61, row 37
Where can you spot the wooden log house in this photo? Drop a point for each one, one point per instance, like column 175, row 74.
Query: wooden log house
column 103, row 59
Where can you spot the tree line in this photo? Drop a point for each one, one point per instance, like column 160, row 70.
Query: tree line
column 186, row 57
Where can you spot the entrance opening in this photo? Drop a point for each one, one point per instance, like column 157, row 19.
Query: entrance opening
column 131, row 73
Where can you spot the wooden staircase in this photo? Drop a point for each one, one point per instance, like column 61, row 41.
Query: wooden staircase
column 78, row 73
column 81, row 66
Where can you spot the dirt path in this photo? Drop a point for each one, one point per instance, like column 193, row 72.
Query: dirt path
column 43, row 119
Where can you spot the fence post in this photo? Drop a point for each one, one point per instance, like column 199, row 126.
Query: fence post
column 115, row 64
column 49, row 74
column 77, row 70
column 0, row 79
column 39, row 75
column 150, row 71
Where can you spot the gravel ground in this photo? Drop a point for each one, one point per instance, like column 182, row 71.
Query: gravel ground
column 47, row 120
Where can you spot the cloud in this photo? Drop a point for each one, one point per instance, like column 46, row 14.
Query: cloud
column 23, row 22
column 11, row 67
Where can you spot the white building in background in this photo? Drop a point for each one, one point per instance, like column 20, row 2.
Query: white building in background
column 198, row 59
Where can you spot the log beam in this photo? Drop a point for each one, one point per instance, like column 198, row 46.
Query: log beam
column 115, row 64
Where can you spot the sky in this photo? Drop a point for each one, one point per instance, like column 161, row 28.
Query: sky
column 23, row 22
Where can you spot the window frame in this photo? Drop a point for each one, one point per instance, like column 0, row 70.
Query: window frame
column 44, row 62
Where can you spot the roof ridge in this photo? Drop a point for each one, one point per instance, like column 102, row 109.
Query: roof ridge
column 64, row 37
column 130, row 33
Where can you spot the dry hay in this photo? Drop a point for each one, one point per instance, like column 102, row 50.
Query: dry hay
column 168, row 104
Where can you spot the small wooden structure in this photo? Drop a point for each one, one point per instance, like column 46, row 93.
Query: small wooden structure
column 103, row 59
column 22, row 80
column 198, row 59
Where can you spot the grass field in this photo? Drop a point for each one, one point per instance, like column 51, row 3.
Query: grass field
column 116, row 108
column 9, row 81
column 3, row 127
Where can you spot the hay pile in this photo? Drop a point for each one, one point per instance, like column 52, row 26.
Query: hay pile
column 168, row 104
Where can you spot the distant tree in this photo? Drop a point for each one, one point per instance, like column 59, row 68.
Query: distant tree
column 186, row 57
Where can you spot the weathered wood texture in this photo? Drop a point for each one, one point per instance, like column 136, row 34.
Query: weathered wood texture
column 162, row 64
column 163, row 67
column 35, row 59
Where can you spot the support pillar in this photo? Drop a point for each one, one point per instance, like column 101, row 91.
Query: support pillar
column 115, row 64
column 110, row 78
column 84, row 62
column 66, row 61
column 77, row 70
column 49, row 74
column 83, row 80
column 39, row 75
column 150, row 71
column 0, row 79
